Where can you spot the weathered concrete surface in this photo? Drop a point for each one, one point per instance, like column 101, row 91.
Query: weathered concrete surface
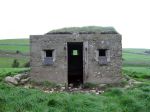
column 93, row 72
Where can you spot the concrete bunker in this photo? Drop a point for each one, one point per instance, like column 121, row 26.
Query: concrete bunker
column 77, row 57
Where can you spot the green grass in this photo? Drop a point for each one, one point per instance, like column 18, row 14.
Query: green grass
column 14, row 48
column 16, row 99
column 137, row 72
column 6, row 62
column 15, row 41
column 135, row 57
column 12, row 45
column 136, row 63
column 134, row 50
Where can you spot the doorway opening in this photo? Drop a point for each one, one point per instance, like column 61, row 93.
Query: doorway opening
column 75, row 63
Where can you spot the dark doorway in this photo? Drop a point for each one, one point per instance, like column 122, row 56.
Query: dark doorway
column 75, row 63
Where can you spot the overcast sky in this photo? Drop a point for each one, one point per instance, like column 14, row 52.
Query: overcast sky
column 131, row 18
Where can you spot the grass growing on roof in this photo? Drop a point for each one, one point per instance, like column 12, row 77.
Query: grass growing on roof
column 85, row 29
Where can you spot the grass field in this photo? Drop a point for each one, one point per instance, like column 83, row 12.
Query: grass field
column 135, row 60
column 135, row 57
column 15, row 41
column 137, row 72
column 14, row 48
column 17, row 99
column 6, row 62
column 136, row 65
column 12, row 45
column 133, row 50
column 9, row 46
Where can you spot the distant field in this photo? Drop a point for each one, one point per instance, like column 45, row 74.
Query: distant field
column 13, row 45
column 15, row 41
column 133, row 50
column 135, row 57
column 6, row 62
column 131, row 59
column 137, row 72
column 14, row 48
column 136, row 63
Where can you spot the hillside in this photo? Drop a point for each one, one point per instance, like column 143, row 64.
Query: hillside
column 135, row 57
column 15, row 41
column 12, row 49
column 12, row 45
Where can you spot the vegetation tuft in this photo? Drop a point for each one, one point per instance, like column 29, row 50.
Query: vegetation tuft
column 15, row 63
column 89, row 85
